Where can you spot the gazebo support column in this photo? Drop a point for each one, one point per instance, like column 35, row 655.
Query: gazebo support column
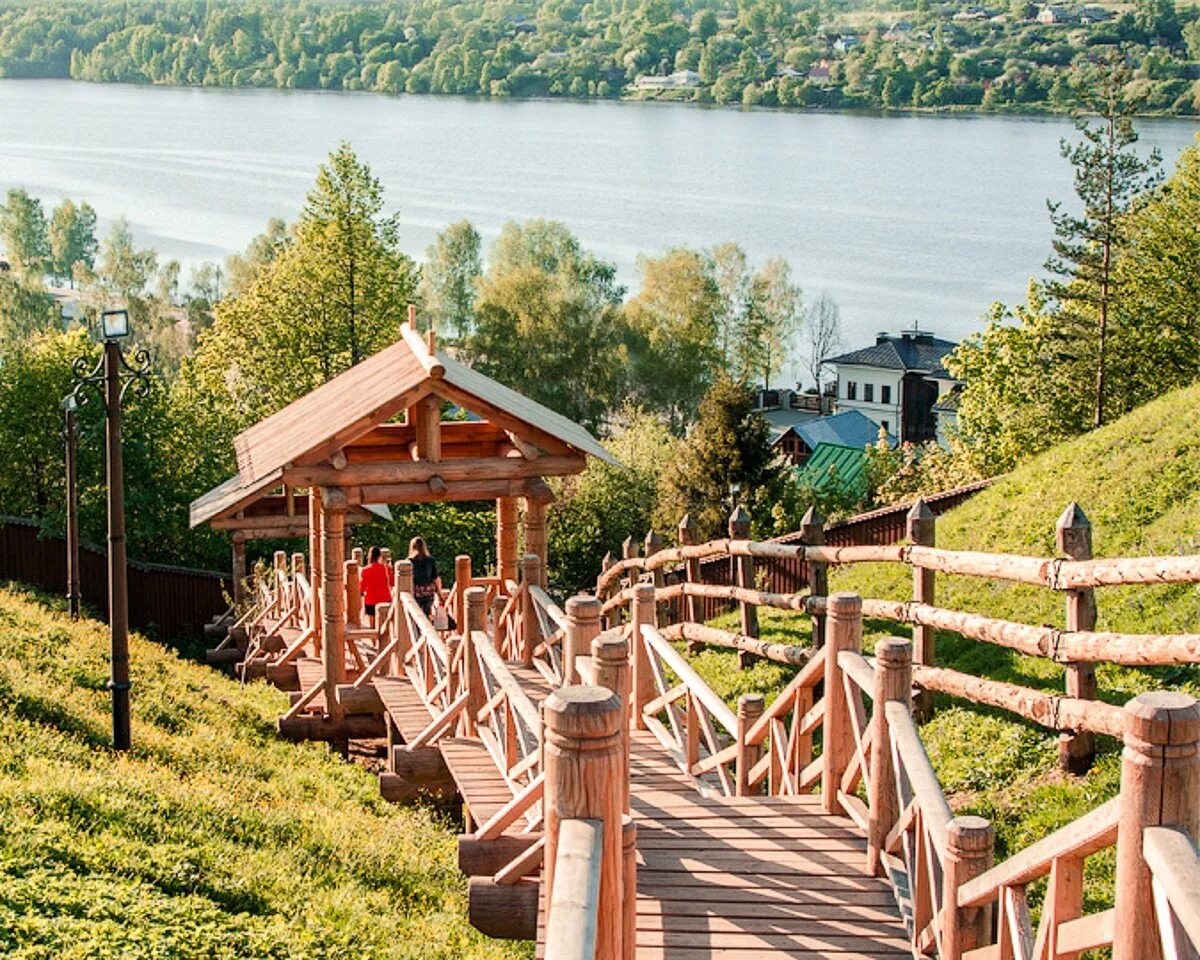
column 316, row 572
column 333, row 650
column 506, row 539
column 536, row 501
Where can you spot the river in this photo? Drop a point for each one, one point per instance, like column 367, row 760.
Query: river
column 900, row 218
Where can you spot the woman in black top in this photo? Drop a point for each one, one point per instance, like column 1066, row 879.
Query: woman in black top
column 427, row 585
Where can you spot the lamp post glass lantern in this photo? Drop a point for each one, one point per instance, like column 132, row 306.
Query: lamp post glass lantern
column 112, row 375
column 114, row 324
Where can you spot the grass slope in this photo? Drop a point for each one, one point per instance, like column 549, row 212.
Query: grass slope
column 1138, row 480
column 211, row 838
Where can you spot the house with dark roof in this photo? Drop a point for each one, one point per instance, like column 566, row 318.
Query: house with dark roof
column 797, row 440
column 896, row 382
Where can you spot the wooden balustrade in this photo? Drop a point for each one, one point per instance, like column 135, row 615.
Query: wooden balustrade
column 584, row 775
column 573, row 913
column 1175, row 880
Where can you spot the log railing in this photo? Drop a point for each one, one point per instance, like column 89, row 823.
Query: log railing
column 1077, row 645
column 1175, row 877
column 873, row 768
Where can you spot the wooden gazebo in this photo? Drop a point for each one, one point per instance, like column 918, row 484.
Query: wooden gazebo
column 317, row 464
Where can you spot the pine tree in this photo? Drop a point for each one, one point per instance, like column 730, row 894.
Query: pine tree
column 1109, row 176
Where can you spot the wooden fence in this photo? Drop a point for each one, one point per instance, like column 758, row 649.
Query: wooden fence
column 786, row 574
column 872, row 766
column 168, row 601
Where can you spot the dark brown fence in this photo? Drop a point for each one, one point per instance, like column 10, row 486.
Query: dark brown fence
column 884, row 526
column 166, row 601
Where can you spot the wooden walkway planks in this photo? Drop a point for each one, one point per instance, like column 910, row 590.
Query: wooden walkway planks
column 719, row 878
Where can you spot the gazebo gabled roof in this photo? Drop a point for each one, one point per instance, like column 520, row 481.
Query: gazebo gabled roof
column 374, row 391
column 358, row 403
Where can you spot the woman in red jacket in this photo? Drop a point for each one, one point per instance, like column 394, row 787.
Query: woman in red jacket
column 375, row 584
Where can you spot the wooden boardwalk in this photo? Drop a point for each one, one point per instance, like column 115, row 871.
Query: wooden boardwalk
column 718, row 877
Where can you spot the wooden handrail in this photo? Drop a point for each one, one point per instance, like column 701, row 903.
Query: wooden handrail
column 1080, row 838
column 688, row 676
column 1175, row 871
column 574, row 907
column 916, row 768
column 1052, row 573
column 792, row 654
column 498, row 670
column 552, row 609
column 1048, row 710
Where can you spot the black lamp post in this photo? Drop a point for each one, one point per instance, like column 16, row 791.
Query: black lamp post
column 71, row 434
column 111, row 377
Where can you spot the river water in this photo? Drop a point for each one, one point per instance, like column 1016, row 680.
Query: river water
column 901, row 218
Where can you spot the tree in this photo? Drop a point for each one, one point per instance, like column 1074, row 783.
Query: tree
column 450, row 278
column 822, row 334
column 672, row 324
column 731, row 274
column 123, row 273
column 1108, row 177
column 597, row 509
column 316, row 305
column 356, row 271
column 72, row 238
column 23, row 226
column 726, row 459
column 25, row 310
column 548, row 321
column 773, row 319
column 242, row 268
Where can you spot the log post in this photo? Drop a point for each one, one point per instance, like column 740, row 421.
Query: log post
column 333, row 559
column 535, row 534
column 629, row 888
column 691, row 574
column 1160, row 781
column 499, row 627
column 582, row 750
column 922, row 531
column 354, row 606
column 297, row 564
column 474, row 621
column 743, row 576
column 531, row 629
column 385, row 556
column 583, row 626
column 605, row 565
column 893, row 681
column 506, row 540
column 750, row 708
column 383, row 612
column 279, row 578
column 1077, row 751
column 611, row 655
column 652, row 544
column 812, row 534
column 970, row 848
column 356, row 554
column 643, row 679
column 316, row 517
column 239, row 569
column 462, row 583
column 404, row 584
column 845, row 633
column 629, row 551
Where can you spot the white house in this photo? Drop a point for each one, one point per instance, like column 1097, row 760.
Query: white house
column 679, row 80
column 897, row 382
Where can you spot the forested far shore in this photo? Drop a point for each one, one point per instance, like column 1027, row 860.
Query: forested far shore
column 1013, row 55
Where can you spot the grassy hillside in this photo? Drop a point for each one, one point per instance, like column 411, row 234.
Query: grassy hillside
column 212, row 838
column 1139, row 482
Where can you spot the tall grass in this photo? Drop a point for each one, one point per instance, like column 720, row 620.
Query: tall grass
column 211, row 838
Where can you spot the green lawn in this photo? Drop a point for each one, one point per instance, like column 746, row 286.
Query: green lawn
column 212, row 838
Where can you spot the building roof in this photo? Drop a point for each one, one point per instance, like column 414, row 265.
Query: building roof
column 373, row 392
column 915, row 351
column 780, row 421
column 850, row 428
column 370, row 394
column 834, row 466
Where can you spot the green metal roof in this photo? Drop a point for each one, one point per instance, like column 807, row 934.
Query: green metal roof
column 833, row 466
